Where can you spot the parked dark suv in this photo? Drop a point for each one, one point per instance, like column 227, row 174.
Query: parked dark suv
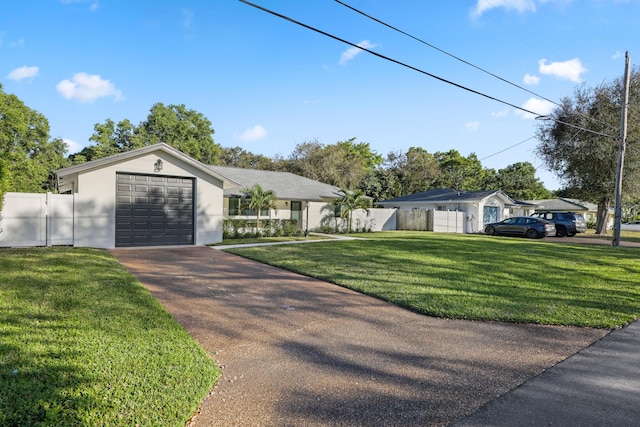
column 567, row 223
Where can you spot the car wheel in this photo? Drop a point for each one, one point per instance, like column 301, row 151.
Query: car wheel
column 490, row 231
column 532, row 233
column 561, row 231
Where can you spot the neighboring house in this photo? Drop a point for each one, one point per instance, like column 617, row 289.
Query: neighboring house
column 152, row 196
column 477, row 207
column 587, row 209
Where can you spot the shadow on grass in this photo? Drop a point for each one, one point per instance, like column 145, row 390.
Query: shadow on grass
column 38, row 386
column 478, row 277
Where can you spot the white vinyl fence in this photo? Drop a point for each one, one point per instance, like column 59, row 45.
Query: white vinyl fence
column 36, row 219
column 431, row 220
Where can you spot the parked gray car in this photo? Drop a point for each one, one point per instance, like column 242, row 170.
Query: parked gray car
column 567, row 223
column 527, row 226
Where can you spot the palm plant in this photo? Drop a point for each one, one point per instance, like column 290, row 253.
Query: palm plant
column 351, row 201
column 258, row 199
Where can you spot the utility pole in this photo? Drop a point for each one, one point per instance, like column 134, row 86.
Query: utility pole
column 617, row 218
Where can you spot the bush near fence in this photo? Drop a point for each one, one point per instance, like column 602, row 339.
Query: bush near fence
column 243, row 228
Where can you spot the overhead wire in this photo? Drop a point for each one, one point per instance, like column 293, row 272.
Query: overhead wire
column 445, row 52
column 387, row 58
column 538, row 116
column 508, row 148
column 504, row 80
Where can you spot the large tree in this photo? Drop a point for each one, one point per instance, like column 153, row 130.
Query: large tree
column 580, row 140
column 416, row 170
column 187, row 130
column 240, row 158
column 27, row 152
column 458, row 172
column 344, row 164
column 519, row 182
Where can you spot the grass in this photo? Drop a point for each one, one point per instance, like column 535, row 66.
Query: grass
column 477, row 277
column 82, row 343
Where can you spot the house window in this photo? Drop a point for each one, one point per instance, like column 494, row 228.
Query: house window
column 234, row 208
column 296, row 209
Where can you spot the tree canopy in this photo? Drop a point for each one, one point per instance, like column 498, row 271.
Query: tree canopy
column 580, row 143
column 28, row 155
column 186, row 130
column 343, row 164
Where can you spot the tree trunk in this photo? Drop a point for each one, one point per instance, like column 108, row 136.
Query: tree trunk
column 603, row 215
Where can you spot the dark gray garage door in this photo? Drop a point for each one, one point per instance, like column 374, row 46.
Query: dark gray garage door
column 153, row 210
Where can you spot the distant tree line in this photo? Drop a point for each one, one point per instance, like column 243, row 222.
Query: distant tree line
column 584, row 161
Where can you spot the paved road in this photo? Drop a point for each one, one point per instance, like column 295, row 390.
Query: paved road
column 299, row 351
column 599, row 386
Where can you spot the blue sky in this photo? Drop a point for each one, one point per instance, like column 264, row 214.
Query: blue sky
column 267, row 84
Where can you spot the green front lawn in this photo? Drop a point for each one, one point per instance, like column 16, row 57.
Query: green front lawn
column 83, row 343
column 477, row 277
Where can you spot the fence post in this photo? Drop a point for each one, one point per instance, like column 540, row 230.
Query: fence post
column 47, row 217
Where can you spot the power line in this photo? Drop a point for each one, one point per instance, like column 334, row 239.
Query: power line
column 576, row 126
column 508, row 148
column 395, row 61
column 463, row 61
column 445, row 52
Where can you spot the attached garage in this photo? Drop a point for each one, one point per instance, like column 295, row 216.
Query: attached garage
column 152, row 196
column 154, row 210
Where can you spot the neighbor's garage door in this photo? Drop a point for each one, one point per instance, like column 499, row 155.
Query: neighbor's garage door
column 153, row 210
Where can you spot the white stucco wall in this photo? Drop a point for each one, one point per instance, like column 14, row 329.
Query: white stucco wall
column 96, row 199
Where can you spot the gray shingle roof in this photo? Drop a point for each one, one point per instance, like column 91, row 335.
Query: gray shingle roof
column 560, row 205
column 444, row 195
column 286, row 185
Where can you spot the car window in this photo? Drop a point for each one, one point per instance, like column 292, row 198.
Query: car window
column 509, row 221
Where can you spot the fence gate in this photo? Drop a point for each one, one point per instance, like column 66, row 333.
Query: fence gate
column 36, row 219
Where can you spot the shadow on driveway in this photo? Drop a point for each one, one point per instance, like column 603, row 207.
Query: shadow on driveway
column 298, row 351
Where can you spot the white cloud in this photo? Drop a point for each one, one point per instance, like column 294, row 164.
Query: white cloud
column 351, row 53
column 539, row 106
column 567, row 70
column 187, row 18
column 93, row 7
column 531, row 80
column 18, row 43
column 520, row 6
column 87, row 88
column 23, row 73
column 472, row 125
column 617, row 55
column 253, row 134
column 74, row 147
column 499, row 114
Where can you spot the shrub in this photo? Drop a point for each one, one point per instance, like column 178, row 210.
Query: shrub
column 242, row 228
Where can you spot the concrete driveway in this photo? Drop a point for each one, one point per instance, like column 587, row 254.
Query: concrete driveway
column 299, row 351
